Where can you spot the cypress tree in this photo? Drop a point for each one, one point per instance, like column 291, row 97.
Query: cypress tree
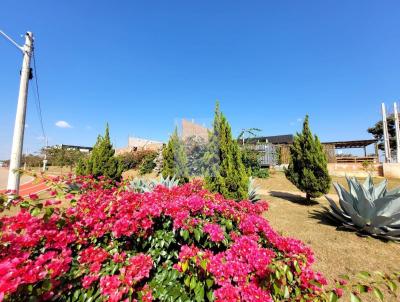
column 102, row 161
column 174, row 159
column 225, row 172
column 308, row 169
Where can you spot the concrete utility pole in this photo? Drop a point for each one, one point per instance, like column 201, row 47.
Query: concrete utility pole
column 19, row 127
column 388, row 157
column 397, row 127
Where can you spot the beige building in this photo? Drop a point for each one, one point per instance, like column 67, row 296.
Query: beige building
column 139, row 144
column 190, row 129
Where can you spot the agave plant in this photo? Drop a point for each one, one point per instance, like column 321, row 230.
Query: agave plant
column 139, row 185
column 253, row 195
column 367, row 208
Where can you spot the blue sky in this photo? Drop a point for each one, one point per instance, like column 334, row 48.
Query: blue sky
column 143, row 65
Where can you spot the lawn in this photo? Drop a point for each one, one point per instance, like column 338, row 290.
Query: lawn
column 336, row 251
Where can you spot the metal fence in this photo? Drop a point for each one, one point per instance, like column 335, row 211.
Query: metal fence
column 268, row 153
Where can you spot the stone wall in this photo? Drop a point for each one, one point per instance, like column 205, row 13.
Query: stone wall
column 354, row 169
column 391, row 170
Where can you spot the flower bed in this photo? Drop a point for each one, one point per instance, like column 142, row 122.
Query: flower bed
column 180, row 244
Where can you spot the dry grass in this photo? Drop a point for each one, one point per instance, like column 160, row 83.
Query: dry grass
column 336, row 251
column 278, row 182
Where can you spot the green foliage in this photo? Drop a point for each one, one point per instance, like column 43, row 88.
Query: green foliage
column 225, row 172
column 377, row 132
column 31, row 160
column 140, row 185
column 57, row 156
column 308, row 169
column 261, row 173
column 175, row 160
column 195, row 150
column 251, row 161
column 367, row 208
column 147, row 165
column 101, row 161
column 375, row 285
column 132, row 160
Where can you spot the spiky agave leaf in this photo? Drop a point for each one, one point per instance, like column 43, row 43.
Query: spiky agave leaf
column 141, row 186
column 253, row 195
column 368, row 208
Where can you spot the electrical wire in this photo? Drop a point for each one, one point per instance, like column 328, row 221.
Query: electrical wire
column 37, row 99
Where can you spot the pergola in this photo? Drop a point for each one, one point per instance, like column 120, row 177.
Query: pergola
column 357, row 144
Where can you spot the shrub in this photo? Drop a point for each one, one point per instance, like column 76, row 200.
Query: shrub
column 308, row 169
column 174, row 159
column 261, row 173
column 225, row 172
column 181, row 244
column 147, row 165
column 250, row 159
column 101, row 162
column 132, row 160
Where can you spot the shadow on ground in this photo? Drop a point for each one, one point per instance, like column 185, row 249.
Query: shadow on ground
column 297, row 199
column 323, row 218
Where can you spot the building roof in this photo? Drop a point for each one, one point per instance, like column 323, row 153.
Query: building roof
column 76, row 147
column 286, row 139
column 352, row 144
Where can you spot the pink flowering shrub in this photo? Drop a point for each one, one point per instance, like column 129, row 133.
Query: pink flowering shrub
column 180, row 244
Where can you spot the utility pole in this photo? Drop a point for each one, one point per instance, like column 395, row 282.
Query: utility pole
column 19, row 127
column 45, row 156
column 397, row 127
column 386, row 135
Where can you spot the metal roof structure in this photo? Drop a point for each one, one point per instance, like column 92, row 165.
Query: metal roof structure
column 80, row 148
column 286, row 139
column 352, row 144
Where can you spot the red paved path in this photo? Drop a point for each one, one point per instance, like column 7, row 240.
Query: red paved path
column 31, row 187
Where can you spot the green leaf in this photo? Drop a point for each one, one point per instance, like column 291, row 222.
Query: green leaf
column 333, row 297
column 199, row 292
column 185, row 266
column 187, row 281
column 392, row 286
column 362, row 288
column 286, row 293
column 35, row 212
column 377, row 292
column 197, row 235
column 210, row 295
column 185, row 234
column 46, row 285
column 24, row 204
column 289, row 276
column 203, row 264
column 354, row 298
column 364, row 275
column 193, row 282
column 209, row 282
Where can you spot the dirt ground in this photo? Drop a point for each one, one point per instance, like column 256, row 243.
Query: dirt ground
column 336, row 251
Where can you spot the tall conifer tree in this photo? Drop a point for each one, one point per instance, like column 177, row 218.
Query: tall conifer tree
column 175, row 159
column 225, row 172
column 102, row 161
column 308, row 169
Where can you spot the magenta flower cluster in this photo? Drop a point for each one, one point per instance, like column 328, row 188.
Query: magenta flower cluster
column 90, row 244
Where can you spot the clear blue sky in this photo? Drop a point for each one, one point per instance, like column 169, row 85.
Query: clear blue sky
column 142, row 65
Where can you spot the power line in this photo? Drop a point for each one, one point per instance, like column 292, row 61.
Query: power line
column 38, row 103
